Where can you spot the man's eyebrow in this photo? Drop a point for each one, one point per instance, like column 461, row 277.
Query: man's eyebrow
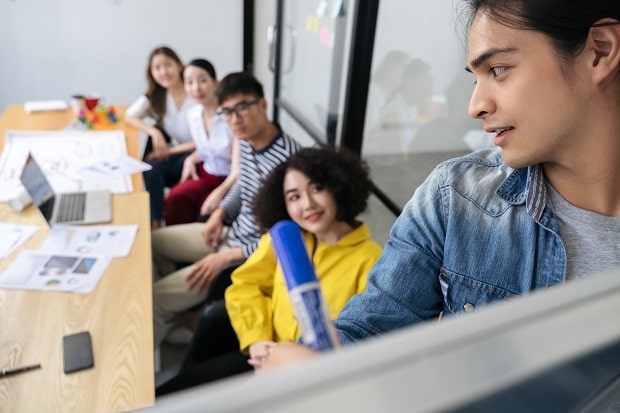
column 233, row 106
column 288, row 191
column 478, row 61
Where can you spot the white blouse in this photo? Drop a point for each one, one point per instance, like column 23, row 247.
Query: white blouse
column 175, row 119
column 215, row 149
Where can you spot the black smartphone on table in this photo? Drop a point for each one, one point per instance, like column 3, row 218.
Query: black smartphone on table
column 77, row 350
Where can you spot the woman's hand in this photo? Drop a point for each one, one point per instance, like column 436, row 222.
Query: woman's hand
column 189, row 168
column 160, row 147
column 286, row 353
column 259, row 352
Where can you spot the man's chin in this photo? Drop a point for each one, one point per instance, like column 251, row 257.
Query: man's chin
column 515, row 161
column 241, row 134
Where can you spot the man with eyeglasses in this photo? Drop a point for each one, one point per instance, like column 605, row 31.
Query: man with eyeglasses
column 213, row 248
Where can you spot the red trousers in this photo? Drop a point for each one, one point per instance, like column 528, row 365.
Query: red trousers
column 182, row 205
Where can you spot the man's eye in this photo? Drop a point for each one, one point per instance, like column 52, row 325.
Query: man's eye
column 498, row 70
column 242, row 106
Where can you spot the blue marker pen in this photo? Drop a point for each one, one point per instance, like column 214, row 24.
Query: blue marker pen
column 304, row 290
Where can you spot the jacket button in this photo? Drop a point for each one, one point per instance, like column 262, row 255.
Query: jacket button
column 468, row 307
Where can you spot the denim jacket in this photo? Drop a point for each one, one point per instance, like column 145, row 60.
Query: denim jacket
column 474, row 232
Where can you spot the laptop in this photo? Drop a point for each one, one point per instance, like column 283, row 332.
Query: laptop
column 87, row 207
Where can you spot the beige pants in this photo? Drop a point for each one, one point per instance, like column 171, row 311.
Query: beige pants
column 172, row 246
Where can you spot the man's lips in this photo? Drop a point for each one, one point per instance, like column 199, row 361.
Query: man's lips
column 502, row 135
column 498, row 130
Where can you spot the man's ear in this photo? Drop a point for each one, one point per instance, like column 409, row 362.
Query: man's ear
column 604, row 42
column 263, row 104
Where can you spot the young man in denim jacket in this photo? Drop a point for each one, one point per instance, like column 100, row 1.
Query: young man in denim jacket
column 542, row 209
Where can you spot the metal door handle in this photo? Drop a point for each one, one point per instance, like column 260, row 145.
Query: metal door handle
column 272, row 41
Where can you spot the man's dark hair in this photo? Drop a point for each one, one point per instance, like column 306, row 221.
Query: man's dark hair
column 566, row 23
column 239, row 82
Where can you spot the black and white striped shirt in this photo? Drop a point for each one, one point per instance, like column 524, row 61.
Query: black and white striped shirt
column 254, row 167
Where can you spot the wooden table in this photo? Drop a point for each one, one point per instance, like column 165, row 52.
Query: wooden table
column 15, row 117
column 118, row 314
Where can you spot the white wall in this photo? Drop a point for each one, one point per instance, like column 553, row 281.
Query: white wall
column 52, row 49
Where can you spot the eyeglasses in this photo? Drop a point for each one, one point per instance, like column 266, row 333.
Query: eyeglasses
column 240, row 109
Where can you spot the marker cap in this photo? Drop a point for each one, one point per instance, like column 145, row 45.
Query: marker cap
column 292, row 254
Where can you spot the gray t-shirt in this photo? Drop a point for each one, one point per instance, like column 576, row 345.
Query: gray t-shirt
column 592, row 240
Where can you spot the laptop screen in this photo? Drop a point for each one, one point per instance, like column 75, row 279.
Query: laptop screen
column 38, row 187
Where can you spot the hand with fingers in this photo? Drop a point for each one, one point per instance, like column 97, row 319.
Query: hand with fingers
column 212, row 230
column 160, row 147
column 259, row 352
column 205, row 270
column 286, row 353
column 189, row 168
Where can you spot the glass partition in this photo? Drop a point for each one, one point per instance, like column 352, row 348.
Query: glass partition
column 311, row 63
column 418, row 95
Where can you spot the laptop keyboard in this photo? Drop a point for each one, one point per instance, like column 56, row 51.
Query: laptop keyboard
column 71, row 207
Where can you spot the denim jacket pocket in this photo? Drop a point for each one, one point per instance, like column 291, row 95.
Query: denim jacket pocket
column 465, row 294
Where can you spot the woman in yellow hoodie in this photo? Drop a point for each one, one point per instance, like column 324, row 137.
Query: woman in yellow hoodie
column 323, row 190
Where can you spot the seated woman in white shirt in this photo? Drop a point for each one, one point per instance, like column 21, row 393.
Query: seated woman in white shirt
column 211, row 170
column 169, row 141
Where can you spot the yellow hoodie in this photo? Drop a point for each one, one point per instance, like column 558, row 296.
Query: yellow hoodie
column 257, row 301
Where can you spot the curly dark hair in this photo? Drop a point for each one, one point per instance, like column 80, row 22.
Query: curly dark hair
column 337, row 169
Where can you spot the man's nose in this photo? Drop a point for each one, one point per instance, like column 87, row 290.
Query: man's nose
column 480, row 103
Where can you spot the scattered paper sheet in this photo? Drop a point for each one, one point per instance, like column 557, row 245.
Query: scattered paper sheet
column 12, row 236
column 33, row 270
column 112, row 240
column 62, row 154
column 117, row 167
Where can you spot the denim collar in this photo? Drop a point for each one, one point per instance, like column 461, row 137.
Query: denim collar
column 526, row 185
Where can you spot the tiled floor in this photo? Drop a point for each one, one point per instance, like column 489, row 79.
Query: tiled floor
column 169, row 357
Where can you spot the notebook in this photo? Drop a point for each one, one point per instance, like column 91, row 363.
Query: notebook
column 71, row 208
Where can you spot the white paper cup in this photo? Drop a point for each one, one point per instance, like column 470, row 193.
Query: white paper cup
column 78, row 104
